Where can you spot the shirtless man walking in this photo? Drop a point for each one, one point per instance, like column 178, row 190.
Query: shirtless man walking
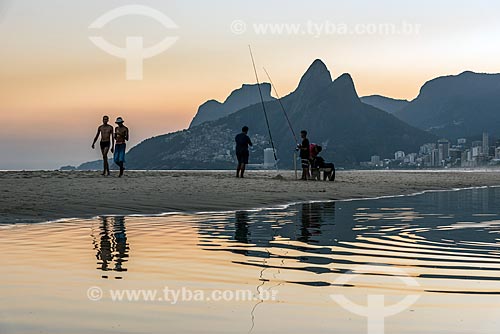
column 121, row 136
column 107, row 142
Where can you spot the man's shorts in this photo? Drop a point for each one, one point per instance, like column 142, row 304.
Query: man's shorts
column 305, row 163
column 119, row 155
column 105, row 144
column 242, row 157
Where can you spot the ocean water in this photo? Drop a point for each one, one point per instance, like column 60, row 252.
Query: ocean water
column 428, row 263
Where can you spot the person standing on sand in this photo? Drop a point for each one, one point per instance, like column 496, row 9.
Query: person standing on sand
column 242, row 153
column 107, row 142
column 121, row 136
column 304, row 154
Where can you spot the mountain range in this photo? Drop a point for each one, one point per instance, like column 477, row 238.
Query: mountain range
column 349, row 130
column 237, row 100
column 385, row 103
column 455, row 106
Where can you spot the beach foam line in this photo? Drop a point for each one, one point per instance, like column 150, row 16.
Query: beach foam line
column 259, row 209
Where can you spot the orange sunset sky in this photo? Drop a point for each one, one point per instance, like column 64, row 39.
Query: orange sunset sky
column 55, row 84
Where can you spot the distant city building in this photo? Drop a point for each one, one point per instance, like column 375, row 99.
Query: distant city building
column 478, row 143
column 426, row 160
column 443, row 150
column 435, row 158
column 442, row 154
column 427, row 148
column 467, row 159
column 491, row 151
column 399, row 155
column 455, row 155
column 269, row 161
column 476, row 151
column 486, row 143
column 482, row 160
column 464, row 158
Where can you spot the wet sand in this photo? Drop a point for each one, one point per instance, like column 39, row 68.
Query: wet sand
column 41, row 196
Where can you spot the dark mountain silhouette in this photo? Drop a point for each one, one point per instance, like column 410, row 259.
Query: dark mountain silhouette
column 457, row 106
column 237, row 100
column 349, row 130
column 385, row 103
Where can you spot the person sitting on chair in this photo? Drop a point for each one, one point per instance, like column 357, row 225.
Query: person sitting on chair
column 318, row 163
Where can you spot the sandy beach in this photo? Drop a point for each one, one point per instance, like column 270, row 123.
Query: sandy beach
column 41, row 196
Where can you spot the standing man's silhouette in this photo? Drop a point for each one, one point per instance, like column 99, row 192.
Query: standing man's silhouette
column 121, row 136
column 107, row 142
column 242, row 153
column 304, row 154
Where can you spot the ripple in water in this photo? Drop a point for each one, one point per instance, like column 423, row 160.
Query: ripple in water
column 448, row 242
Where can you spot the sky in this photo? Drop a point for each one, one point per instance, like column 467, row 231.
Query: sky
column 56, row 84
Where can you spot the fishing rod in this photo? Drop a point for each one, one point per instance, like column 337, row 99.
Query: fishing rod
column 289, row 123
column 263, row 107
column 281, row 105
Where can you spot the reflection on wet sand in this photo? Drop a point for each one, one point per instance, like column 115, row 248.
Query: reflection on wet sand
column 111, row 245
column 242, row 232
column 448, row 242
column 306, row 225
column 332, row 238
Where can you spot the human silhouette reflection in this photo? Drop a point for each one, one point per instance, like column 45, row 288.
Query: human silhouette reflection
column 311, row 220
column 325, row 224
column 320, row 224
column 112, row 247
column 242, row 232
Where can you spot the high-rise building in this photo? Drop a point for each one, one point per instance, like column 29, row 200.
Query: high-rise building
column 486, row 143
column 375, row 160
column 443, row 149
column 435, row 162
